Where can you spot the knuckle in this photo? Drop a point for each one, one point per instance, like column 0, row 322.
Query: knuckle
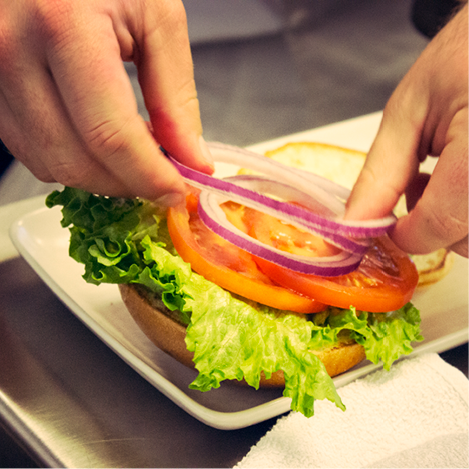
column 172, row 12
column 165, row 21
column 369, row 177
column 70, row 173
column 107, row 139
column 55, row 20
column 188, row 93
column 185, row 105
column 448, row 224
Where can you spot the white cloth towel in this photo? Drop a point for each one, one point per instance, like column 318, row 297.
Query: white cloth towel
column 415, row 415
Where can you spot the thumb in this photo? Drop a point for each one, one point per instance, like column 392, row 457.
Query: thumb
column 391, row 164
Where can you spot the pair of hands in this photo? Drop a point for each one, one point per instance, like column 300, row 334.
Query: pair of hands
column 69, row 114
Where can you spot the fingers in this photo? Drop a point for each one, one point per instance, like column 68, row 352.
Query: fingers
column 43, row 138
column 391, row 163
column 68, row 108
column 438, row 204
column 87, row 68
column 38, row 131
column 427, row 114
column 440, row 217
column 166, row 77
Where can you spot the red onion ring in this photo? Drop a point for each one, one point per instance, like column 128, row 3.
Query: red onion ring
column 295, row 215
column 311, row 184
column 317, row 186
column 238, row 192
column 215, row 219
column 309, row 189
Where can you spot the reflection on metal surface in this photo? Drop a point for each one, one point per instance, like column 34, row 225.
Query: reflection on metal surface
column 35, row 409
column 73, row 403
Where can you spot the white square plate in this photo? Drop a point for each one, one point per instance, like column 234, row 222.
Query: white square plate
column 44, row 244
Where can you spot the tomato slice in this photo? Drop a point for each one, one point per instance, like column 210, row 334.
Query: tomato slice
column 384, row 281
column 227, row 265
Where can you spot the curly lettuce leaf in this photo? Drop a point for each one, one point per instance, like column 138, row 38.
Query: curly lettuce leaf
column 389, row 335
column 126, row 241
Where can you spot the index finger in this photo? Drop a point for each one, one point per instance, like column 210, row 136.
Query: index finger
column 440, row 217
column 166, row 76
column 87, row 67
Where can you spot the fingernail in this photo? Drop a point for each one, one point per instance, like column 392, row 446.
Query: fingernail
column 170, row 200
column 206, row 152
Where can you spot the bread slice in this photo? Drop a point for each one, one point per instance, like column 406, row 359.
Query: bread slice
column 161, row 327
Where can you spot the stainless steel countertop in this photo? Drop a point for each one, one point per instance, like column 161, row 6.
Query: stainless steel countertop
column 72, row 402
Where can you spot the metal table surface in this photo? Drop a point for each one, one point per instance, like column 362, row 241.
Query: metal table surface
column 71, row 402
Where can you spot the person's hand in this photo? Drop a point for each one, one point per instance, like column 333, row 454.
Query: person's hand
column 426, row 115
column 67, row 108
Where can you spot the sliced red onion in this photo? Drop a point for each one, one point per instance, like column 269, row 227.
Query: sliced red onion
column 247, row 159
column 325, row 200
column 237, row 188
column 296, row 215
column 309, row 183
column 319, row 187
column 215, row 219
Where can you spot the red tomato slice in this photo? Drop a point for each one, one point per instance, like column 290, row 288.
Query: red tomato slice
column 384, row 281
column 227, row 265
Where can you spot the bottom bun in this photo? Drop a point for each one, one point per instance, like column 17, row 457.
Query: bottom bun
column 160, row 325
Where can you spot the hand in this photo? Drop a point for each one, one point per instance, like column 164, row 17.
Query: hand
column 426, row 115
column 67, row 108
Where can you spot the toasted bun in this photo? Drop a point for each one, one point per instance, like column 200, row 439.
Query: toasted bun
column 343, row 166
column 161, row 327
column 338, row 164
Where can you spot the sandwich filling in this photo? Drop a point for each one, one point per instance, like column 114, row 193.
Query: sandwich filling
column 124, row 241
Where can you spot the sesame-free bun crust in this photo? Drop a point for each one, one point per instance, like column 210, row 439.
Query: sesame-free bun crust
column 169, row 336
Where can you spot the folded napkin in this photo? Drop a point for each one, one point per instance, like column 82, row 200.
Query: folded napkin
column 415, row 415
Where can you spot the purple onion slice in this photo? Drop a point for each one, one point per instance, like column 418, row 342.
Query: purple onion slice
column 215, row 219
column 326, row 193
column 273, row 194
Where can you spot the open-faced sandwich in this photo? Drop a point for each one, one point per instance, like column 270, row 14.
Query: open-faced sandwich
column 256, row 278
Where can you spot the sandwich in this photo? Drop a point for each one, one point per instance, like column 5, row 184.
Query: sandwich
column 235, row 309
